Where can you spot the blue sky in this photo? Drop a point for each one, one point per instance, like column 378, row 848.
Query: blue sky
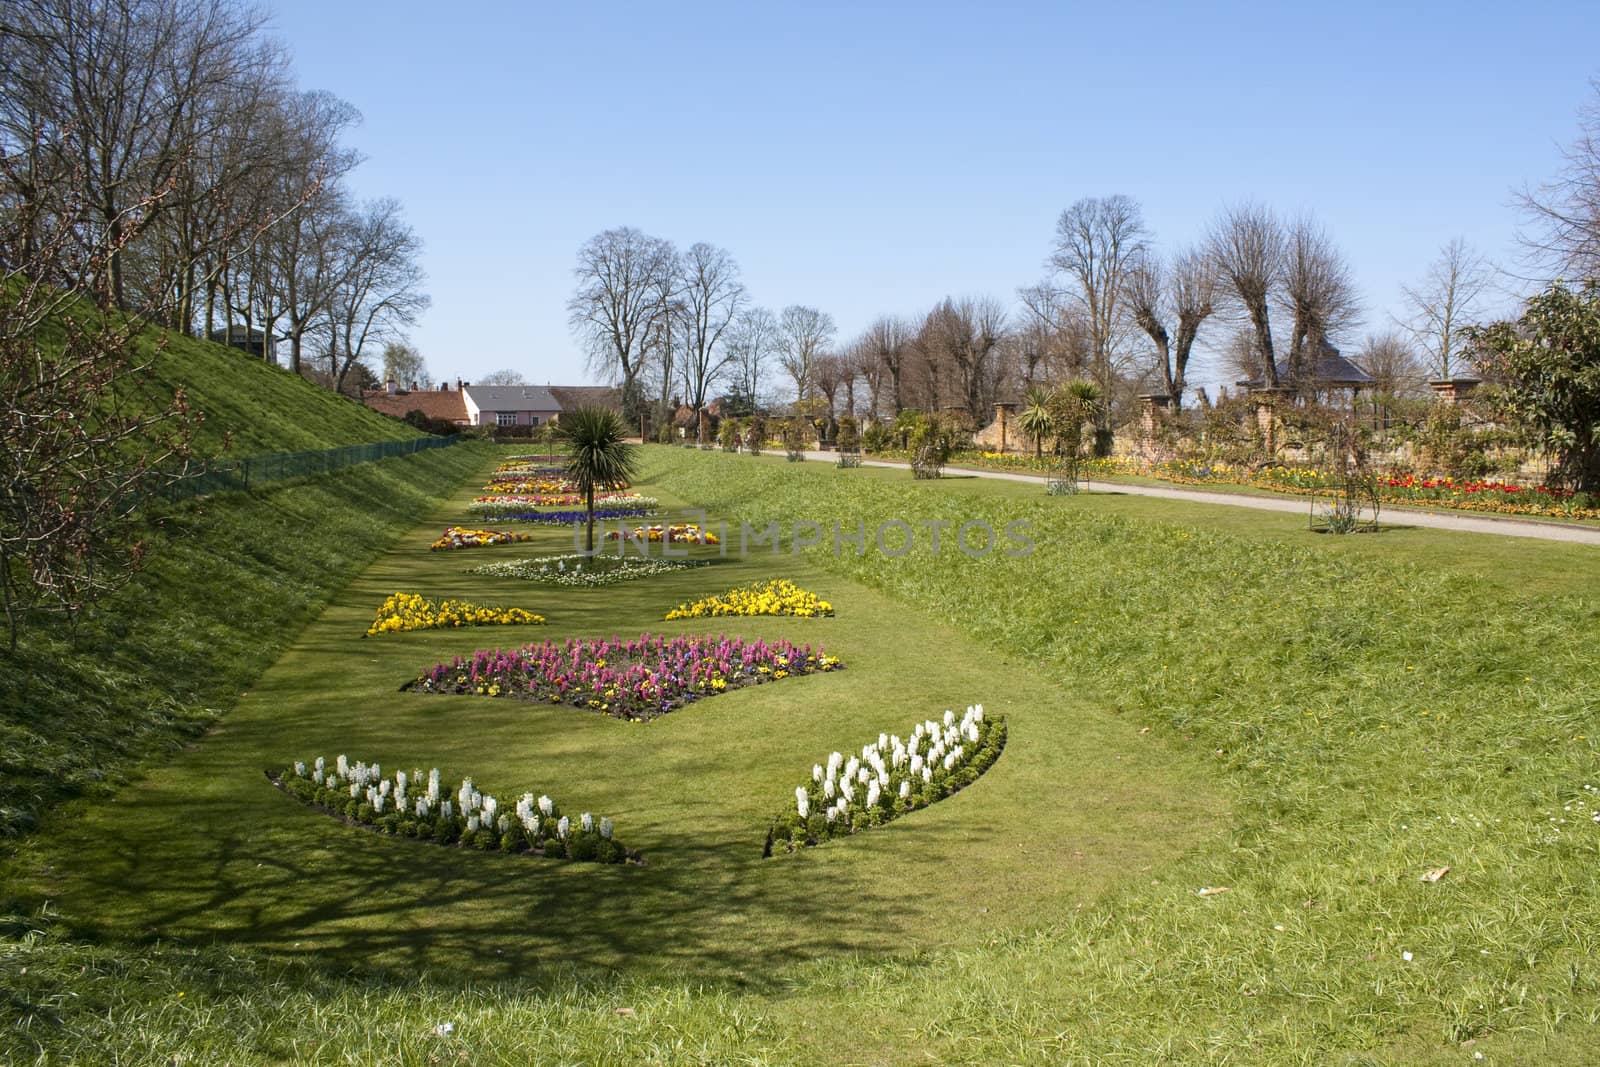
column 870, row 158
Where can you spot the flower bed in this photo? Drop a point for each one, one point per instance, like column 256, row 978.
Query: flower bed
column 556, row 482
column 1502, row 498
column 889, row 779
column 677, row 532
column 530, row 466
column 361, row 794
column 571, row 518
column 558, row 500
column 637, row 679
column 577, row 569
column 777, row 596
column 525, row 502
column 412, row 611
column 461, row 537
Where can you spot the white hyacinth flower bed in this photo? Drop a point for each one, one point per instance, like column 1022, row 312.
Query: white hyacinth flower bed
column 414, row 805
column 889, row 778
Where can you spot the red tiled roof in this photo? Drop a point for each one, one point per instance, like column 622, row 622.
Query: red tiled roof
column 434, row 403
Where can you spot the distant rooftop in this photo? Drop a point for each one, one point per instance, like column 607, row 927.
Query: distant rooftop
column 1329, row 368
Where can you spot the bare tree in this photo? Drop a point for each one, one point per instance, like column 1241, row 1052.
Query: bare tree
column 119, row 87
column 503, row 376
column 712, row 296
column 294, row 275
column 619, row 276
column 378, row 286
column 1097, row 240
column 804, row 333
column 1396, row 371
column 751, row 342
column 1185, row 293
column 1445, row 305
column 962, row 337
column 827, row 374
column 402, row 363
column 1247, row 246
column 886, row 341
column 1563, row 237
column 1318, row 293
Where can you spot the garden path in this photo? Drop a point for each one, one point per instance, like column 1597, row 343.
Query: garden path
column 1487, row 524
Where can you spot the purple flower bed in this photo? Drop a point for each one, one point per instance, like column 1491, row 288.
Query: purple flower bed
column 637, row 679
column 572, row 518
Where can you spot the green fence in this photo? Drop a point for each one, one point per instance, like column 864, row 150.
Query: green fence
column 279, row 466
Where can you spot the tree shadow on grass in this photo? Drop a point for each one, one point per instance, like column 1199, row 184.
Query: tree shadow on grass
column 302, row 885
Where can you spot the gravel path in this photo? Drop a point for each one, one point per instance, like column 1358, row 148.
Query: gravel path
column 1438, row 520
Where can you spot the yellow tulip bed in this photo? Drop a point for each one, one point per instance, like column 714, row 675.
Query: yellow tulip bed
column 412, row 611
column 461, row 537
column 778, row 596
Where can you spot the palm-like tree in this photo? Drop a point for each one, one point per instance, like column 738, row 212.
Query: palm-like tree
column 1073, row 404
column 597, row 455
column 1034, row 419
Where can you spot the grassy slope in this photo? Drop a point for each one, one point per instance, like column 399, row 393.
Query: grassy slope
column 262, row 408
column 227, row 579
column 1299, row 668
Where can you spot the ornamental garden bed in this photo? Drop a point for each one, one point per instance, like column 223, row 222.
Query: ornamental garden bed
column 464, row 537
column 889, row 779
column 578, row 570
column 413, row 611
column 638, row 679
column 359, row 794
column 776, row 596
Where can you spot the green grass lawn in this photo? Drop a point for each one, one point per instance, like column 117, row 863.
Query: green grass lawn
column 1197, row 697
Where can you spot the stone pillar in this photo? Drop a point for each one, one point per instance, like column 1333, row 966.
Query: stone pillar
column 644, row 428
column 1266, row 407
column 1002, row 418
column 1149, row 405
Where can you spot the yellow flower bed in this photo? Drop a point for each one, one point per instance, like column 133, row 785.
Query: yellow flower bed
column 779, row 596
column 680, row 532
column 412, row 611
column 462, row 537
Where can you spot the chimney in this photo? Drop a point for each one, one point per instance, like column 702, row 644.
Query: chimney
column 458, row 385
column 389, row 387
column 413, row 385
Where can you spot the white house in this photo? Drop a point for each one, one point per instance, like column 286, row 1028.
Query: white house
column 510, row 405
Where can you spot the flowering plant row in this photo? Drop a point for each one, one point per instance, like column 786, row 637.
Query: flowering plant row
column 890, row 778
column 462, row 537
column 531, row 466
column 538, row 484
column 412, row 611
column 571, row 518
column 404, row 805
column 577, row 569
column 543, row 483
column 523, row 501
column 638, row 679
column 778, row 596
column 1498, row 497
column 679, row 531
